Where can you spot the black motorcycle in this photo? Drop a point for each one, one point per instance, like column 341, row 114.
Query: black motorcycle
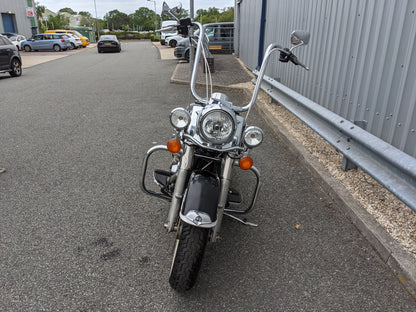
column 211, row 139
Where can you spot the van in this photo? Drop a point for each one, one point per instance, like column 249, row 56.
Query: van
column 221, row 37
column 167, row 33
column 84, row 39
column 220, row 40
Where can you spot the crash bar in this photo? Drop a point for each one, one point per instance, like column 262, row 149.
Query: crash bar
column 392, row 168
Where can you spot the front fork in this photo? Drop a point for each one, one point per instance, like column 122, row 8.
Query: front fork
column 183, row 173
column 177, row 198
column 222, row 202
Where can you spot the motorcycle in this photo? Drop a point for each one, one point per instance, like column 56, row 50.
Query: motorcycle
column 211, row 138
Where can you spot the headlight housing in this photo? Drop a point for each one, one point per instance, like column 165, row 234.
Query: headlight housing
column 180, row 118
column 217, row 126
column 253, row 136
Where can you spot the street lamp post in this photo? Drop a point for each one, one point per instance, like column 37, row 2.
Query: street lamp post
column 154, row 1
column 96, row 22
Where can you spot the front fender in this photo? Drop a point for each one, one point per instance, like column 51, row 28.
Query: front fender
column 199, row 207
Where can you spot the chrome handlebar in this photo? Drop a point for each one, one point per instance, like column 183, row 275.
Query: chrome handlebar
column 270, row 49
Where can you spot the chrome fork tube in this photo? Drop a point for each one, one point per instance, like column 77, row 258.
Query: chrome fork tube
column 185, row 167
column 225, row 186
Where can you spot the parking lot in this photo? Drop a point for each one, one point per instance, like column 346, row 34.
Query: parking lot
column 78, row 235
column 33, row 58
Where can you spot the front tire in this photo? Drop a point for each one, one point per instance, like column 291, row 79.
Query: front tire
column 16, row 68
column 172, row 43
column 27, row 48
column 187, row 258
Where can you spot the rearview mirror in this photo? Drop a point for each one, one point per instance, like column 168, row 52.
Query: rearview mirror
column 175, row 12
column 299, row 37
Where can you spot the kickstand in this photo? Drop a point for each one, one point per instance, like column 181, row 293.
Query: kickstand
column 240, row 220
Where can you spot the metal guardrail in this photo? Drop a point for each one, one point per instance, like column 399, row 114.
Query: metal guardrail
column 392, row 168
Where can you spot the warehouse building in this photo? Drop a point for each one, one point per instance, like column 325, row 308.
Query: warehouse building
column 18, row 16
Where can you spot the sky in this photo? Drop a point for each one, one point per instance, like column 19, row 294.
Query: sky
column 128, row 6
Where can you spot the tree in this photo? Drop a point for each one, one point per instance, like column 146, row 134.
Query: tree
column 144, row 18
column 67, row 10
column 213, row 15
column 58, row 22
column 40, row 10
column 86, row 19
column 227, row 15
column 84, row 13
column 115, row 19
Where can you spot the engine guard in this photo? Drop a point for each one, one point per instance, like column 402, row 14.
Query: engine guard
column 199, row 207
column 144, row 170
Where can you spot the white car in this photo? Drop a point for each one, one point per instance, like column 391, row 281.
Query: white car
column 173, row 40
column 17, row 41
column 74, row 40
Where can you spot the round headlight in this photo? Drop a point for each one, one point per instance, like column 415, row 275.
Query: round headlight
column 180, row 118
column 253, row 136
column 217, row 126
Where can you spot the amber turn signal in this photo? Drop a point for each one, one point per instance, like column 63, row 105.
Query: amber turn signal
column 246, row 163
column 174, row 146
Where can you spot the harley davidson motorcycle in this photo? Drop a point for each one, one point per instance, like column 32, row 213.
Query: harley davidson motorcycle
column 211, row 139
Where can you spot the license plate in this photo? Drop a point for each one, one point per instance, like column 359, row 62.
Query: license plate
column 107, row 43
column 215, row 47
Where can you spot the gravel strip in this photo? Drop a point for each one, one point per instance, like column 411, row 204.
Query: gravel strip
column 396, row 217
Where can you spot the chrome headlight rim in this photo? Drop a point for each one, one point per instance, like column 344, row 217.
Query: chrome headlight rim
column 183, row 116
column 253, row 130
column 208, row 113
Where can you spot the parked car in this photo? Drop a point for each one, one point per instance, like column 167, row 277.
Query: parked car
column 220, row 40
column 8, row 35
column 10, row 60
column 56, row 42
column 17, row 40
column 173, row 40
column 74, row 40
column 108, row 43
column 84, row 39
column 164, row 34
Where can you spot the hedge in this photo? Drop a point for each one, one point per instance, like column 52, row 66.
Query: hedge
column 129, row 35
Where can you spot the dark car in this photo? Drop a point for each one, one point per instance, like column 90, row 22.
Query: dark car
column 108, row 43
column 10, row 60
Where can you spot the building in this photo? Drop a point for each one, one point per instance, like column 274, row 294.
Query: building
column 74, row 20
column 361, row 55
column 18, row 16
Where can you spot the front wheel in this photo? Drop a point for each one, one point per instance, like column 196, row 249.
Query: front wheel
column 16, row 68
column 172, row 43
column 56, row 48
column 187, row 256
column 27, row 48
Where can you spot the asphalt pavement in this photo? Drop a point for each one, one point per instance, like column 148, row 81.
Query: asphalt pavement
column 77, row 234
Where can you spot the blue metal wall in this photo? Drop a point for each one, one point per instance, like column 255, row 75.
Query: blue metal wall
column 362, row 56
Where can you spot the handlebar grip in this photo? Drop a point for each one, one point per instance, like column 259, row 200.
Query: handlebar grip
column 293, row 58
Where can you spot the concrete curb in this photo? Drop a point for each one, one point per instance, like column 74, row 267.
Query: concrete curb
column 400, row 262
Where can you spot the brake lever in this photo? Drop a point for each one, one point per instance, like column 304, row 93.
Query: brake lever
column 295, row 60
column 286, row 55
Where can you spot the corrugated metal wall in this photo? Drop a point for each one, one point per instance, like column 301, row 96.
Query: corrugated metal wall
column 362, row 56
